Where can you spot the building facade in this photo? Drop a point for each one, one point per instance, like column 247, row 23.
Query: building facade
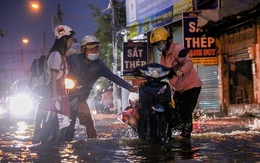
column 230, row 71
column 237, row 44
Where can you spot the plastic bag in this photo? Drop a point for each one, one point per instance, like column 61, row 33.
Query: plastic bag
column 64, row 120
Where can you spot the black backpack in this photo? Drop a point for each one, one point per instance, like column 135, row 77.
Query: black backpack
column 37, row 68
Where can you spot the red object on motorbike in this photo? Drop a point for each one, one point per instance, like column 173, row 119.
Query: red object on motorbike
column 130, row 116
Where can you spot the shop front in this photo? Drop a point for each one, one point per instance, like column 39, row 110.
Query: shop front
column 238, row 48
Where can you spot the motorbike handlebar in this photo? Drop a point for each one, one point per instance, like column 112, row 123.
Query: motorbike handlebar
column 136, row 72
column 139, row 71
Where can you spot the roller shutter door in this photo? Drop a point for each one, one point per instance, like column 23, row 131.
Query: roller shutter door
column 209, row 96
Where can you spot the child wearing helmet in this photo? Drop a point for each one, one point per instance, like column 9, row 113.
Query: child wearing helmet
column 186, row 82
column 86, row 68
column 56, row 103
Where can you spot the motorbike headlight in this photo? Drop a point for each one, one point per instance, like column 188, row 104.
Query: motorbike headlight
column 69, row 83
column 20, row 104
column 155, row 72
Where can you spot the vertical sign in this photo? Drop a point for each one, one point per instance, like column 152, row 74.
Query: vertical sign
column 201, row 45
column 134, row 54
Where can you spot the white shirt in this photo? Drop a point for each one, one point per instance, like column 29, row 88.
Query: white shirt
column 55, row 62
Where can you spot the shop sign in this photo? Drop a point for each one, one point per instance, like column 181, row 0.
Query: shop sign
column 134, row 54
column 201, row 44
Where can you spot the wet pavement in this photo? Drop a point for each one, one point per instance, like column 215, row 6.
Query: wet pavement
column 233, row 139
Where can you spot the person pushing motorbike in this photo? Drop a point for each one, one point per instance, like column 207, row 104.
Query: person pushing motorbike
column 86, row 68
column 186, row 82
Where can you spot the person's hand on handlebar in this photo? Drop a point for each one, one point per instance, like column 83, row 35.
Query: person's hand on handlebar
column 133, row 89
column 179, row 73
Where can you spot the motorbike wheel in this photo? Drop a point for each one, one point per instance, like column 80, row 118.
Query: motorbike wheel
column 152, row 130
column 161, row 129
column 169, row 133
column 156, row 129
column 141, row 128
column 142, row 125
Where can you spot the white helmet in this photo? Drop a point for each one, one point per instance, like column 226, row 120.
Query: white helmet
column 62, row 30
column 89, row 42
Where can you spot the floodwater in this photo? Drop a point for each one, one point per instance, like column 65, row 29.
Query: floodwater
column 213, row 140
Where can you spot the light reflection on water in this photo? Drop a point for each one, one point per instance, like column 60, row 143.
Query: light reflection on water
column 212, row 142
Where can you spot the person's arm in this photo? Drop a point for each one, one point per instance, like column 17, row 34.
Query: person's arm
column 116, row 79
column 187, row 64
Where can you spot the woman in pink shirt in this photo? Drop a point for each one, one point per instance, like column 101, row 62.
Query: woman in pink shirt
column 186, row 82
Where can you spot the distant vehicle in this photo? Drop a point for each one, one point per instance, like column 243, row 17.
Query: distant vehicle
column 18, row 103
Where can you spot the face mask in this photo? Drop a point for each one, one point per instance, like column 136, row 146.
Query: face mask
column 162, row 46
column 93, row 56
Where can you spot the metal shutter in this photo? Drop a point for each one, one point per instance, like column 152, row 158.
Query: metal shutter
column 177, row 35
column 209, row 96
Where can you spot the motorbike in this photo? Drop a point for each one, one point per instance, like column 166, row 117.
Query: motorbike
column 157, row 111
column 44, row 122
column 109, row 109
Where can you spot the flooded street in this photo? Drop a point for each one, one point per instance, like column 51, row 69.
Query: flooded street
column 213, row 140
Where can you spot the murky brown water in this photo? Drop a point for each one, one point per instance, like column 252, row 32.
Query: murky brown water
column 222, row 140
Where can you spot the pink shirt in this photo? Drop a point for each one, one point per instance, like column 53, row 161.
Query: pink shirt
column 190, row 78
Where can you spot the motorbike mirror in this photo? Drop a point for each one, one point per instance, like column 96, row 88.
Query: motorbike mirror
column 183, row 53
column 136, row 71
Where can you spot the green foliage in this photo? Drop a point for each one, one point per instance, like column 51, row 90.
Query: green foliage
column 105, row 31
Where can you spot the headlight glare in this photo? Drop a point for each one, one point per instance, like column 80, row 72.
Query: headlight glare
column 20, row 104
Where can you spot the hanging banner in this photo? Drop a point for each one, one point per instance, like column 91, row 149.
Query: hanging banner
column 144, row 15
column 134, row 54
column 201, row 45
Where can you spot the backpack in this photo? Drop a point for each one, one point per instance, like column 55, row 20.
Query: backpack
column 38, row 74
column 37, row 67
